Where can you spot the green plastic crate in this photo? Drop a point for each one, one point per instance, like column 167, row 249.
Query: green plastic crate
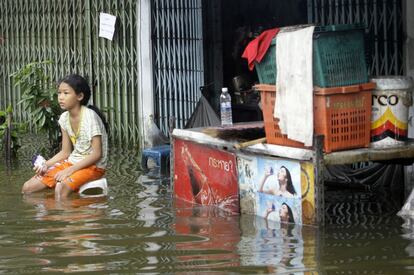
column 338, row 57
column 266, row 69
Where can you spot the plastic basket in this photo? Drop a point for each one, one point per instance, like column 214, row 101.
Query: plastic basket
column 266, row 69
column 341, row 114
column 338, row 57
column 271, row 124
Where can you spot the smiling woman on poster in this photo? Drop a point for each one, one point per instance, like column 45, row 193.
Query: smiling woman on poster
column 285, row 189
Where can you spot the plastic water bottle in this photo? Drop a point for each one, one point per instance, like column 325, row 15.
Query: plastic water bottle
column 38, row 161
column 225, row 108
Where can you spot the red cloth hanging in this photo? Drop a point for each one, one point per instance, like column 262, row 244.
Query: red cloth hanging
column 257, row 48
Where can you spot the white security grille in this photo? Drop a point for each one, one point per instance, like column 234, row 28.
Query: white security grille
column 383, row 21
column 177, row 40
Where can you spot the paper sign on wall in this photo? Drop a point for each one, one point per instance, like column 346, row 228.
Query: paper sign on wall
column 106, row 25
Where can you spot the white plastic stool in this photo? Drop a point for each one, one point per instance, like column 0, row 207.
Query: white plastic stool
column 96, row 188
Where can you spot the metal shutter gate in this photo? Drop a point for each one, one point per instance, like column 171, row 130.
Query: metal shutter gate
column 177, row 40
column 383, row 19
column 66, row 32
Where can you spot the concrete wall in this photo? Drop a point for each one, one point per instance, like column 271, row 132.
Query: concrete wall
column 145, row 86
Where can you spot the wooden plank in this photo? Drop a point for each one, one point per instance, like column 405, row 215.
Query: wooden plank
column 319, row 167
column 280, row 151
column 249, row 143
column 251, row 130
column 370, row 154
column 198, row 136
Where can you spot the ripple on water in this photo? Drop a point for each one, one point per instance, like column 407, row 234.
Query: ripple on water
column 140, row 228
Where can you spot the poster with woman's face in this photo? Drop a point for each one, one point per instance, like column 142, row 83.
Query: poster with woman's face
column 279, row 209
column 278, row 177
column 275, row 188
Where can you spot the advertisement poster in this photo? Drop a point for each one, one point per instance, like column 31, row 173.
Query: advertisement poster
column 205, row 175
column 276, row 189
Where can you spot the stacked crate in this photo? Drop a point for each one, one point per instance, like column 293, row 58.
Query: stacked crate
column 342, row 93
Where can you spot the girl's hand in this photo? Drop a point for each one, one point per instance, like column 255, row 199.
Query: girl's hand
column 64, row 174
column 41, row 169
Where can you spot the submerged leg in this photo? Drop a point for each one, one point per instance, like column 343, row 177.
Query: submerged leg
column 33, row 185
column 62, row 190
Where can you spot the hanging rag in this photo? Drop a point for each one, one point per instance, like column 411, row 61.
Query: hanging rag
column 294, row 84
column 257, row 48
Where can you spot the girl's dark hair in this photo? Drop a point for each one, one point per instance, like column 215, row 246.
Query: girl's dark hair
column 290, row 213
column 80, row 85
column 289, row 185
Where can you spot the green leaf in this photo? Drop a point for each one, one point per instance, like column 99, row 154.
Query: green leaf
column 36, row 111
column 42, row 121
column 9, row 109
column 38, row 115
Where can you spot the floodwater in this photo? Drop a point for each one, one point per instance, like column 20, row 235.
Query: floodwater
column 140, row 229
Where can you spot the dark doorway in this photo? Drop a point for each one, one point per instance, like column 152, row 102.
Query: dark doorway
column 229, row 26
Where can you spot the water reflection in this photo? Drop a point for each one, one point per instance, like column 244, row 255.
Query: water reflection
column 408, row 234
column 47, row 208
column 75, row 229
column 215, row 234
column 247, row 243
column 139, row 229
column 283, row 247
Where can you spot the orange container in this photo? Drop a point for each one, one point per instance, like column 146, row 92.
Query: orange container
column 341, row 114
column 272, row 130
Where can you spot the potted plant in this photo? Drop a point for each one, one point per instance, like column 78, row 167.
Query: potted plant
column 39, row 99
column 10, row 133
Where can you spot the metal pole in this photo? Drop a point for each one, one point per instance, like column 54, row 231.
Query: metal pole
column 319, row 167
column 123, row 79
column 384, row 30
column 310, row 12
column 116, row 73
column 377, row 65
column 8, row 137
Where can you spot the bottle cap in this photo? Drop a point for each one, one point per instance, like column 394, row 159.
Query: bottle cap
column 224, row 89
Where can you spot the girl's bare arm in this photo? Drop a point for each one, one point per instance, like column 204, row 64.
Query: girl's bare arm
column 64, row 152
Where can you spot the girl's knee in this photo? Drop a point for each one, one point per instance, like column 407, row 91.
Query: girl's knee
column 26, row 188
column 32, row 185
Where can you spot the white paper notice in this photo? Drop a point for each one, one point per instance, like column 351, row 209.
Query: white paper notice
column 106, row 25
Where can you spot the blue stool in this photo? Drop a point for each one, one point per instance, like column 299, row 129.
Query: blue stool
column 160, row 156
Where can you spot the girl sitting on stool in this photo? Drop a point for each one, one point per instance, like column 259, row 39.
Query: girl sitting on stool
column 84, row 152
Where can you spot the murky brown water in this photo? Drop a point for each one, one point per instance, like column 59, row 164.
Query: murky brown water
column 140, row 229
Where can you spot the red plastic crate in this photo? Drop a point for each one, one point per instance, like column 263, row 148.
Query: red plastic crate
column 341, row 114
